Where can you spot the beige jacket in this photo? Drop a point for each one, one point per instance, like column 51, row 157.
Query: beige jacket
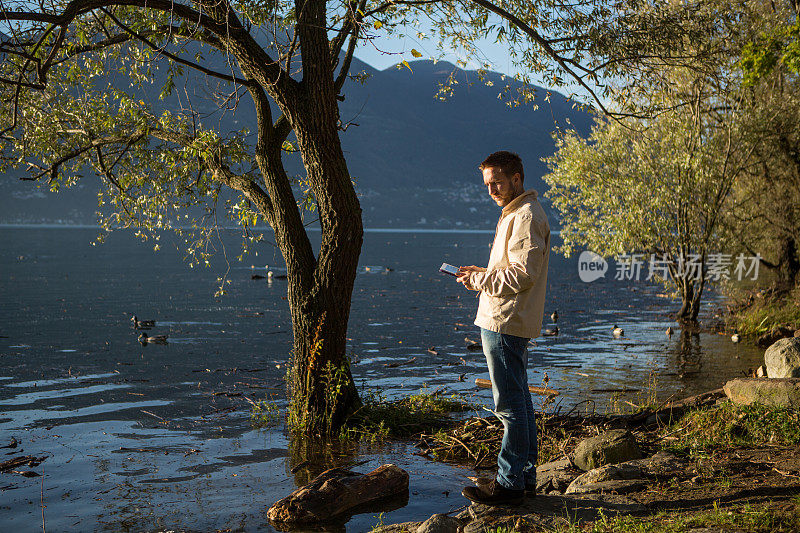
column 513, row 286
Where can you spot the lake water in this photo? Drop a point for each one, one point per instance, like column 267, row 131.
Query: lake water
column 159, row 437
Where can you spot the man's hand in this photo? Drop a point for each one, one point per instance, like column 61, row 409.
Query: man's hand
column 464, row 273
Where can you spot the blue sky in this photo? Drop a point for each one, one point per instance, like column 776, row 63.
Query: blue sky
column 384, row 52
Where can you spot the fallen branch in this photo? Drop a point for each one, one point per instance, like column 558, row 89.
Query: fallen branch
column 543, row 391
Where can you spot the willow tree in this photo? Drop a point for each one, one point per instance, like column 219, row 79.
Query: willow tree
column 133, row 90
column 654, row 190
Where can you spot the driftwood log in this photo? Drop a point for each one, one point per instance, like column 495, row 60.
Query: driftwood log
column 335, row 491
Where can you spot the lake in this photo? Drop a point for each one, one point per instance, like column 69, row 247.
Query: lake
column 159, row 437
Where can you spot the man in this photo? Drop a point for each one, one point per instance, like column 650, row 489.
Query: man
column 512, row 291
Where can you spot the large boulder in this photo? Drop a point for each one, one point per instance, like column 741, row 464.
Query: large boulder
column 783, row 358
column 611, row 447
column 777, row 392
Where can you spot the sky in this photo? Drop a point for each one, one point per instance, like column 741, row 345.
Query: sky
column 384, row 52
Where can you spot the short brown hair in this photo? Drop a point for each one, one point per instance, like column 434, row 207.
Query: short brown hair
column 509, row 163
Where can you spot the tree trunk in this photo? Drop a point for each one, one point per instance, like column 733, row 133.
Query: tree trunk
column 322, row 390
column 694, row 308
column 688, row 310
column 322, row 387
column 788, row 264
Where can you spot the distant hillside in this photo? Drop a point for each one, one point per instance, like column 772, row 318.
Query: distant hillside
column 414, row 157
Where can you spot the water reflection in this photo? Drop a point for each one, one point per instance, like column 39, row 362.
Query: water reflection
column 688, row 353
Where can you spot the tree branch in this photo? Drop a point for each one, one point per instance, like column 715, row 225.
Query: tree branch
column 77, row 152
column 348, row 57
column 227, row 28
column 541, row 41
column 177, row 59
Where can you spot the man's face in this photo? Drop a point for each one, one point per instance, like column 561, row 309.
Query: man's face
column 502, row 188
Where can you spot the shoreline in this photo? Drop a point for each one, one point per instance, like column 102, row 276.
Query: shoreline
column 746, row 475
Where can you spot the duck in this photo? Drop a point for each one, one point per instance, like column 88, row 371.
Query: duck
column 618, row 331
column 554, row 316
column 670, row 331
column 551, row 332
column 142, row 324
column 155, row 339
column 272, row 275
column 735, row 337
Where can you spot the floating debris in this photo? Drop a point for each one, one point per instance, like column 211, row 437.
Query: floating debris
column 543, row 391
column 402, row 363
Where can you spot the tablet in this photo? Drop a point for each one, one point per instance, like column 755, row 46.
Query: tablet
column 449, row 269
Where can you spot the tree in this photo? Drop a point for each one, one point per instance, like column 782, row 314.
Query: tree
column 766, row 213
column 655, row 187
column 764, row 217
column 78, row 84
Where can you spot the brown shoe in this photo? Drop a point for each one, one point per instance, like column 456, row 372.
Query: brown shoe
column 494, row 494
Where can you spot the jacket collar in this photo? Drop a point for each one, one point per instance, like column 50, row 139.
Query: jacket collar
column 526, row 196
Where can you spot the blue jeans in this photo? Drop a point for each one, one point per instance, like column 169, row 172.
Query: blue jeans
column 507, row 359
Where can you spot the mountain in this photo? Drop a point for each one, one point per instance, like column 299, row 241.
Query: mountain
column 413, row 156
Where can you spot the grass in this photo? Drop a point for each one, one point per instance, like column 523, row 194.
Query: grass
column 763, row 312
column 380, row 419
column 265, row 413
column 729, row 425
column 747, row 518
column 646, row 398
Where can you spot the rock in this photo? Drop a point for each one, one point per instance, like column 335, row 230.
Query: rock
column 761, row 372
column 770, row 337
column 335, row 491
column 622, row 471
column 554, row 476
column 439, row 523
column 782, row 359
column 777, row 392
column 611, row 447
column 797, row 333
column 620, row 486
